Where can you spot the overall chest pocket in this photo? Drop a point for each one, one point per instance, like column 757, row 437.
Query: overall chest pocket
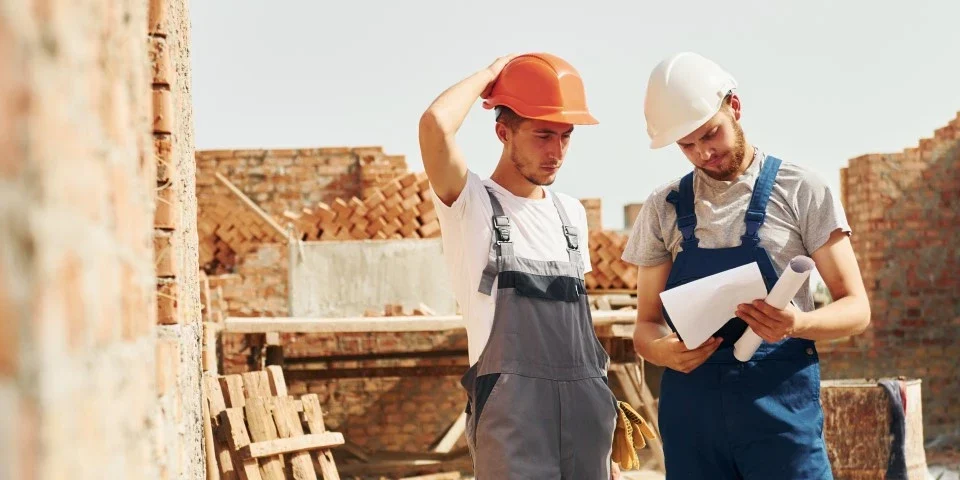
column 548, row 287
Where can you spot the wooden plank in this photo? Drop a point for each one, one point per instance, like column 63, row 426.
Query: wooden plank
column 313, row 415
column 232, row 386
column 278, row 386
column 231, row 420
column 271, row 448
column 262, row 430
column 649, row 406
column 288, row 426
column 380, row 372
column 379, row 324
column 452, row 435
column 436, row 476
column 256, row 384
column 217, row 452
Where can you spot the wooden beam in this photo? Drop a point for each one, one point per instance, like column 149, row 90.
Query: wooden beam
column 378, row 356
column 649, row 406
column 423, row 371
column 452, row 435
column 380, row 324
column 293, row 444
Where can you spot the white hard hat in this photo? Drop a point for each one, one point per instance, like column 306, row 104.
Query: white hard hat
column 684, row 91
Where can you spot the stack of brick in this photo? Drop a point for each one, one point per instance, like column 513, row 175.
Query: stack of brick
column 399, row 208
column 290, row 179
column 376, row 168
column 609, row 271
column 593, row 208
column 232, row 225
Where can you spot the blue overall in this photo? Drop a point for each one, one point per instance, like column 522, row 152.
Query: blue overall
column 728, row 419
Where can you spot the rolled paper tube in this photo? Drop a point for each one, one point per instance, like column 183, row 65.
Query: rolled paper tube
column 783, row 291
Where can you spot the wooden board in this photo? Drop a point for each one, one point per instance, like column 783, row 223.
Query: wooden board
column 313, row 415
column 379, row 324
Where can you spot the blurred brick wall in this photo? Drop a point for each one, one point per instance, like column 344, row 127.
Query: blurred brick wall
column 903, row 211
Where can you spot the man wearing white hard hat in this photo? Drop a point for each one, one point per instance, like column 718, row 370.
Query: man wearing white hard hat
column 721, row 418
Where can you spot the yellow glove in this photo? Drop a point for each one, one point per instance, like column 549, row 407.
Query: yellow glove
column 623, row 451
column 629, row 436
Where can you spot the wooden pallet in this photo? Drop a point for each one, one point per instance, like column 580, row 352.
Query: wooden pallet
column 255, row 431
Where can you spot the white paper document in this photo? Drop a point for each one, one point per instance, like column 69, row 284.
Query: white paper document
column 699, row 308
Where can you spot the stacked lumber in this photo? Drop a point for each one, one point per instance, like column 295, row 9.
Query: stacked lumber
column 255, row 430
column 397, row 209
column 230, row 226
column 609, row 271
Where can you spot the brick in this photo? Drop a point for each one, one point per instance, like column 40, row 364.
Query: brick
column 163, row 113
column 162, row 150
column 157, row 17
column 161, row 68
column 9, row 330
column 165, row 253
column 167, row 213
column 167, row 301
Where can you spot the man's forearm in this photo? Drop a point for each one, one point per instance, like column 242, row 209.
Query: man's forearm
column 449, row 110
column 845, row 317
column 644, row 333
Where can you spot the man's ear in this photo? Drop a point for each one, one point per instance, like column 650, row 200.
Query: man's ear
column 735, row 105
column 503, row 132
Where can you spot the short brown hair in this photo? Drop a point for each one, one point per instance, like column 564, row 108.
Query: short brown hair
column 508, row 117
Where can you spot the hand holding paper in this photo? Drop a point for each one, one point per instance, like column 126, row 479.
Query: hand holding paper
column 785, row 289
column 699, row 308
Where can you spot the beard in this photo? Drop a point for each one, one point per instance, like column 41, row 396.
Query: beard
column 731, row 166
column 531, row 171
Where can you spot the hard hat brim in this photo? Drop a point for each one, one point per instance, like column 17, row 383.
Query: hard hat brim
column 548, row 114
column 674, row 135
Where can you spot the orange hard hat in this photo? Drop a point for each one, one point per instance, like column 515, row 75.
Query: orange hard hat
column 541, row 86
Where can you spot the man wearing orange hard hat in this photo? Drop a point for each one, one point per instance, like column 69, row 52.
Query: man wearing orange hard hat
column 538, row 403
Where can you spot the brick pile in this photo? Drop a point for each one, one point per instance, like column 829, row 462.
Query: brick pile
column 398, row 208
column 609, row 271
column 902, row 209
column 281, row 180
column 232, row 226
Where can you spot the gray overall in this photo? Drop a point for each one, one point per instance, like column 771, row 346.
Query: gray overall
column 538, row 402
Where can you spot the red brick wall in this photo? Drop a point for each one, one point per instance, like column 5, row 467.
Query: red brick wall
column 279, row 180
column 903, row 211
column 79, row 384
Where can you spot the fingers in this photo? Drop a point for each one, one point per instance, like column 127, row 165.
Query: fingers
column 762, row 325
column 680, row 348
column 691, row 359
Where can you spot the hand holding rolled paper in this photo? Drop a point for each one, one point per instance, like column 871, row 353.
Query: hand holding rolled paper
column 793, row 277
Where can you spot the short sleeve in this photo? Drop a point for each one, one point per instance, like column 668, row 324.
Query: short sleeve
column 820, row 212
column 646, row 246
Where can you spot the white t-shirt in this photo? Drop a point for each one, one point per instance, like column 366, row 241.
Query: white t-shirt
column 536, row 232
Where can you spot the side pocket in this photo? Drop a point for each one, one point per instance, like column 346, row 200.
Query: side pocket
column 486, row 385
column 469, row 432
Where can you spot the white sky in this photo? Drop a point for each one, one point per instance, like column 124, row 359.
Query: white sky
column 821, row 81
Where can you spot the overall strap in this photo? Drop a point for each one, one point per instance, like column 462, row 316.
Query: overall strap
column 570, row 232
column 500, row 244
column 757, row 211
column 686, row 216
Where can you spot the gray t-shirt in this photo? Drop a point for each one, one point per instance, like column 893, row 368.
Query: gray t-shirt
column 801, row 215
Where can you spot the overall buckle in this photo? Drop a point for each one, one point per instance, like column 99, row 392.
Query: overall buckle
column 501, row 227
column 573, row 238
